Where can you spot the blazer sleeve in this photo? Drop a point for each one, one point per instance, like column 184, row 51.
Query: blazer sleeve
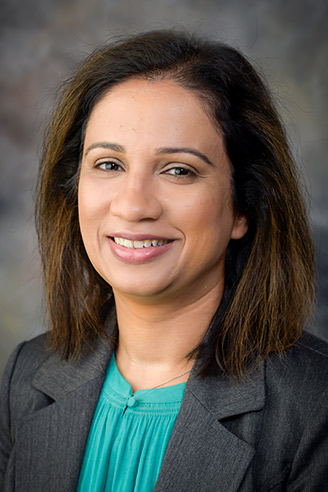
column 309, row 470
column 6, row 438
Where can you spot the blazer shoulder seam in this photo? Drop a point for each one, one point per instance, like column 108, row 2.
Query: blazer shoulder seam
column 312, row 349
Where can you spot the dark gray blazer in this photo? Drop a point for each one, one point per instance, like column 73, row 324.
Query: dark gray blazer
column 267, row 433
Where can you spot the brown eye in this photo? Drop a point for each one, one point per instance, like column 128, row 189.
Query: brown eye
column 180, row 171
column 109, row 166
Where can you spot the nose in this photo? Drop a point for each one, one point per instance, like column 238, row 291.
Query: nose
column 136, row 200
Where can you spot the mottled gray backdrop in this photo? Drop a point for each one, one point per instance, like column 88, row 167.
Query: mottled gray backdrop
column 43, row 40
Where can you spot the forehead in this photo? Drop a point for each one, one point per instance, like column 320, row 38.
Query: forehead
column 165, row 89
column 159, row 110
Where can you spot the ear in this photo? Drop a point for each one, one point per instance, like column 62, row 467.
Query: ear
column 239, row 228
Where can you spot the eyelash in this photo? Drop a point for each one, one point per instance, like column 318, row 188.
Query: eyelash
column 112, row 163
column 186, row 172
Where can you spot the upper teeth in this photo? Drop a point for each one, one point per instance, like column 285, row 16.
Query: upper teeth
column 127, row 243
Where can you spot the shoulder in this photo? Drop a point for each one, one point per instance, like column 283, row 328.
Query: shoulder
column 17, row 384
column 27, row 358
column 297, row 384
column 303, row 366
column 18, row 397
column 313, row 346
column 295, row 413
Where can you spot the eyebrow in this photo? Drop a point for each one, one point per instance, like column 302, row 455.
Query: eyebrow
column 163, row 150
column 105, row 145
column 185, row 150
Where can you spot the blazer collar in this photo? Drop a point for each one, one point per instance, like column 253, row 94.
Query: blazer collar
column 57, row 377
column 226, row 397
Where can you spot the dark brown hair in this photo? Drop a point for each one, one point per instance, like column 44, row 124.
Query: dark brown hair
column 268, row 273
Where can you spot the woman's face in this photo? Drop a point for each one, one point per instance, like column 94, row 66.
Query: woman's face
column 155, row 201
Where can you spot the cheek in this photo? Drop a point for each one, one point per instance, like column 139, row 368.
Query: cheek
column 212, row 214
column 83, row 209
column 91, row 202
column 89, row 210
column 210, row 226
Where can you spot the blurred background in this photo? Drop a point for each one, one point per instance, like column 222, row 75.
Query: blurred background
column 43, row 41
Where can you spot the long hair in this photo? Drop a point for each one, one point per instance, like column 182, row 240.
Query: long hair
column 268, row 273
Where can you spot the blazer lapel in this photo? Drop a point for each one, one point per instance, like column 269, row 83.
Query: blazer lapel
column 51, row 441
column 202, row 454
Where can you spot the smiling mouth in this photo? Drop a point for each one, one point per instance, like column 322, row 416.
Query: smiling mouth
column 146, row 243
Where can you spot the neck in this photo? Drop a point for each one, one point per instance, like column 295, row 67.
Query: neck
column 156, row 339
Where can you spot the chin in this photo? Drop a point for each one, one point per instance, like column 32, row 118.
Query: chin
column 145, row 293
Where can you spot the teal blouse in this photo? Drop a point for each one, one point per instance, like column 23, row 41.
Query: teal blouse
column 128, row 436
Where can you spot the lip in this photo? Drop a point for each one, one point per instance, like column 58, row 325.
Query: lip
column 137, row 237
column 138, row 256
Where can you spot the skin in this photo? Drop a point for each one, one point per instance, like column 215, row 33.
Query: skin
column 154, row 165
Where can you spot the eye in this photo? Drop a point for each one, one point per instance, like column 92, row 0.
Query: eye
column 109, row 166
column 180, row 171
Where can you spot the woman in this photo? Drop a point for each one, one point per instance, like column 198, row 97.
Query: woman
column 179, row 275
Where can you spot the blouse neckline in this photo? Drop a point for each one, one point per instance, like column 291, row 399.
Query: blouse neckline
column 115, row 381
